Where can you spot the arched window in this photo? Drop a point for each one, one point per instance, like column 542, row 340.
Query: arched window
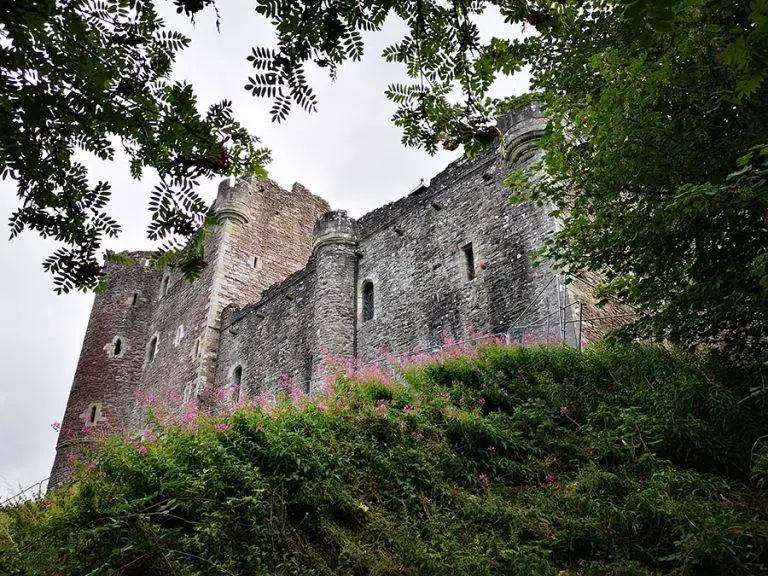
column 93, row 414
column 152, row 349
column 237, row 375
column 237, row 379
column 368, row 303
column 118, row 347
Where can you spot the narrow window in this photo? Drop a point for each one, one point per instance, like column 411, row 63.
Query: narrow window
column 237, row 375
column 179, row 335
column 257, row 262
column 469, row 258
column 164, row 288
column 135, row 299
column 368, row 308
column 197, row 347
column 92, row 417
column 152, row 349
column 237, row 378
column 118, row 347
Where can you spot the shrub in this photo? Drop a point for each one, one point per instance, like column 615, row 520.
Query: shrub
column 621, row 460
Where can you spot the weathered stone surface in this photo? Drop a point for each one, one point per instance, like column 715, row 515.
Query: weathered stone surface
column 284, row 285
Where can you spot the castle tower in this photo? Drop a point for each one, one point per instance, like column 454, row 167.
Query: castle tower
column 111, row 359
column 164, row 342
column 335, row 310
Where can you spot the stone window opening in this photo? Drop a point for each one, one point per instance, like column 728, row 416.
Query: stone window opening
column 116, row 347
column 469, row 261
column 152, row 349
column 92, row 414
column 257, row 263
column 237, row 379
column 368, row 301
column 164, row 287
column 179, row 335
column 135, row 299
column 197, row 347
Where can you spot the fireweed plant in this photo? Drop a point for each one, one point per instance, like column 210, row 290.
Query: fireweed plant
column 489, row 459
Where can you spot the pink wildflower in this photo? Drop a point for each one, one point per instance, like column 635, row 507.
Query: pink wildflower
column 141, row 449
column 564, row 410
column 484, row 480
column 221, row 427
column 409, row 409
column 491, row 449
column 481, row 402
column 188, row 417
column 549, row 479
column 600, row 392
column 151, row 399
column 56, row 426
column 381, row 403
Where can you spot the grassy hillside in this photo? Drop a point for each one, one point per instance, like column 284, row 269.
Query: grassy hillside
column 616, row 460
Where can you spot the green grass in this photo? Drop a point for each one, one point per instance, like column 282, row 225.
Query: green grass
column 617, row 460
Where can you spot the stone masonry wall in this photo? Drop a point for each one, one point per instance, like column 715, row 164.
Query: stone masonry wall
column 271, row 338
column 415, row 253
column 102, row 379
column 265, row 234
column 284, row 285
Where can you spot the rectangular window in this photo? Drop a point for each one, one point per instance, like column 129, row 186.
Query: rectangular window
column 469, row 260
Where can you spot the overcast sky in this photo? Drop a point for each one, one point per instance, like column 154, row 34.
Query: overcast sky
column 348, row 152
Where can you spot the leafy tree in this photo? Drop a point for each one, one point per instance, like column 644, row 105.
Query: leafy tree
column 656, row 150
column 93, row 75
column 656, row 154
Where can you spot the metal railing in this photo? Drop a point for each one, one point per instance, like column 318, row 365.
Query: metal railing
column 31, row 493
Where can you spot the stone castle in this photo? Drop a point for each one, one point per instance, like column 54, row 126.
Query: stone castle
column 289, row 281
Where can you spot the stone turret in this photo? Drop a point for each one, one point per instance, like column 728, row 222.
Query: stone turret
column 522, row 130
column 233, row 201
column 333, row 247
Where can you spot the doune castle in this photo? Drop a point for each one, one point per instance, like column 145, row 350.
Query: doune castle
column 289, row 281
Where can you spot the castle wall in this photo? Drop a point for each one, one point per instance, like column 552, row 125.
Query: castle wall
column 412, row 251
column 415, row 252
column 272, row 338
column 264, row 235
column 101, row 386
column 287, row 283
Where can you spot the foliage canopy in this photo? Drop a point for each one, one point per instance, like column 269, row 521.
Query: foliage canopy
column 618, row 460
column 656, row 154
column 91, row 75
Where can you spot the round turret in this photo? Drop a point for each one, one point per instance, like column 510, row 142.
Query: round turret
column 334, row 227
column 522, row 131
column 232, row 201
